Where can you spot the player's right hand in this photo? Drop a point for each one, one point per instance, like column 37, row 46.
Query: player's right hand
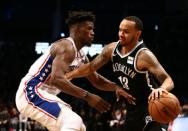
column 127, row 96
column 97, row 102
column 156, row 93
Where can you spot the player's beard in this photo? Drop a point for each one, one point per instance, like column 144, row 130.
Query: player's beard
column 132, row 40
column 129, row 42
column 88, row 44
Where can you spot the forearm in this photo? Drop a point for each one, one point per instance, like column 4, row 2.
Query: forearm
column 82, row 71
column 104, row 84
column 168, row 84
column 107, row 86
column 67, row 87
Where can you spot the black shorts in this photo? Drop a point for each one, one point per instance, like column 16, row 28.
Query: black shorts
column 150, row 126
column 138, row 119
column 141, row 121
column 153, row 126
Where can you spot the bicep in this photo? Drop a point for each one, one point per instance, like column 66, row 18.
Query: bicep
column 159, row 72
column 61, row 62
column 59, row 65
column 152, row 64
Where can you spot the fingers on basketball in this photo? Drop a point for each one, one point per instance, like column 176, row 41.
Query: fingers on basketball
column 165, row 109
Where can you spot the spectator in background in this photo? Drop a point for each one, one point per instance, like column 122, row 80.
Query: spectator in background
column 184, row 110
column 4, row 118
column 118, row 120
column 14, row 119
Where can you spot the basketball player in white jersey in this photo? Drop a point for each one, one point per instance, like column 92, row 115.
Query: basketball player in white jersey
column 36, row 96
column 135, row 67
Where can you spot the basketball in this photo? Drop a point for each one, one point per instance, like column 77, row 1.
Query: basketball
column 165, row 109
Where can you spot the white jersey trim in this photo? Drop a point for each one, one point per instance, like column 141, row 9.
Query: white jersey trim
column 113, row 52
column 143, row 72
column 123, row 56
column 136, row 56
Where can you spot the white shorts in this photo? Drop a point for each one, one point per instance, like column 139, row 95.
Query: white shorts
column 36, row 103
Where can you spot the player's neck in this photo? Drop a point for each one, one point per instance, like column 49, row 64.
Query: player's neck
column 127, row 48
column 77, row 42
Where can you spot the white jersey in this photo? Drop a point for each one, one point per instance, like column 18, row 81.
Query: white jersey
column 40, row 71
column 32, row 95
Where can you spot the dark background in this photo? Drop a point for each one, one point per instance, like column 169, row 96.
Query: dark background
column 24, row 22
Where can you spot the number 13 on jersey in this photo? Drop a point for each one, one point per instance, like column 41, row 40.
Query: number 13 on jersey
column 124, row 82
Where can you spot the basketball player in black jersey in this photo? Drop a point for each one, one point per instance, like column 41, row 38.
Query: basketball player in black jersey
column 134, row 65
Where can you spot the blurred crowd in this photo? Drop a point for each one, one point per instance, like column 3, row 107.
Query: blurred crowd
column 11, row 120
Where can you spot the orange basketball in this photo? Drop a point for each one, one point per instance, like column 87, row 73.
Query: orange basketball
column 165, row 109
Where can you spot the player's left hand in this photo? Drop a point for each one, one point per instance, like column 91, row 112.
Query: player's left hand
column 97, row 102
column 121, row 92
column 156, row 93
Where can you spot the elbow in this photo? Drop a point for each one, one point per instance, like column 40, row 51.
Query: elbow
column 172, row 83
column 91, row 68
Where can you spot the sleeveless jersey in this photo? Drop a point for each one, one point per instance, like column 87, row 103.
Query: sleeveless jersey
column 38, row 101
column 40, row 73
column 135, row 82
column 41, row 69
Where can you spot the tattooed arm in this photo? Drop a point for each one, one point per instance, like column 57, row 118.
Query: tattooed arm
column 148, row 61
column 98, row 81
column 94, row 65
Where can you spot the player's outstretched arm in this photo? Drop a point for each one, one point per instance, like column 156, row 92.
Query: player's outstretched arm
column 64, row 52
column 94, row 65
column 104, row 84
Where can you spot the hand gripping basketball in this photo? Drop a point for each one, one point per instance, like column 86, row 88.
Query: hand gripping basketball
column 164, row 109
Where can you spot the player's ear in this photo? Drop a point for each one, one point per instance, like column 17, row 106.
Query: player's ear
column 138, row 34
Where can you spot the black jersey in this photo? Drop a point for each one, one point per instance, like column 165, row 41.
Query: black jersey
column 137, row 83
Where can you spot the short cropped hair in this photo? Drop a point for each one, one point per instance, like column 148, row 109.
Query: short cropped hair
column 138, row 21
column 79, row 16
